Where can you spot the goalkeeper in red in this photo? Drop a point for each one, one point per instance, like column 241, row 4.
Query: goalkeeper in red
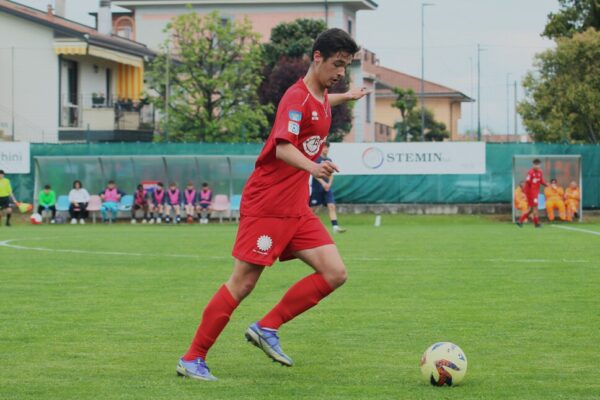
column 276, row 221
column 534, row 179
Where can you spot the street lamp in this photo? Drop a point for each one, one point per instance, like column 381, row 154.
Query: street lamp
column 423, row 5
column 479, row 50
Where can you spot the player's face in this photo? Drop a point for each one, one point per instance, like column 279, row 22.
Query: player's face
column 573, row 185
column 536, row 167
column 331, row 70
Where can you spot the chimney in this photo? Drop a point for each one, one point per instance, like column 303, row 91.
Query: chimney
column 50, row 14
column 104, row 18
column 59, row 8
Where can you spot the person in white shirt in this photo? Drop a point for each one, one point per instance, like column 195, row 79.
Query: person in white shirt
column 79, row 198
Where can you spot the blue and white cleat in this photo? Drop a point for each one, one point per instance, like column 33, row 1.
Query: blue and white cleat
column 268, row 341
column 196, row 369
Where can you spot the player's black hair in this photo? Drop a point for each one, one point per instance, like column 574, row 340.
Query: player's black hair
column 160, row 184
column 47, row 187
column 1, row 172
column 139, row 187
column 75, row 182
column 332, row 41
column 326, row 144
column 553, row 180
column 205, row 184
column 111, row 181
column 537, row 161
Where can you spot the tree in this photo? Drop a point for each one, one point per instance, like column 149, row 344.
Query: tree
column 214, row 73
column 574, row 16
column 562, row 101
column 409, row 129
column 287, row 58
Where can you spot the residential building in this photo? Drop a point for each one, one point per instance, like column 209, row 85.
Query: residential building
column 63, row 81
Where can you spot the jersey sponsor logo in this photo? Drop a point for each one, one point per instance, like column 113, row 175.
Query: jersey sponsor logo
column 295, row 115
column 315, row 116
column 263, row 244
column 293, row 127
column 312, row 145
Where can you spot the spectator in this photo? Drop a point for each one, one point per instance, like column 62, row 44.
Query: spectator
column 110, row 196
column 79, row 199
column 520, row 199
column 189, row 201
column 322, row 194
column 572, row 198
column 174, row 203
column 554, row 200
column 47, row 202
column 6, row 194
column 204, row 202
column 141, row 201
column 157, row 203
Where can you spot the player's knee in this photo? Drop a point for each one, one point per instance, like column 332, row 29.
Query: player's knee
column 337, row 277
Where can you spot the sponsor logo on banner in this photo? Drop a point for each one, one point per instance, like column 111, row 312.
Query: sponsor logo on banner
column 14, row 158
column 293, row 127
column 372, row 158
column 409, row 158
column 312, row 145
column 295, row 115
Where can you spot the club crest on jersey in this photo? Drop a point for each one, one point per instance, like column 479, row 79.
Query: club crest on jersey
column 312, row 145
column 295, row 115
column 315, row 116
column 294, row 128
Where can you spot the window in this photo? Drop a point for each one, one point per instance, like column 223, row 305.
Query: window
column 124, row 27
column 349, row 26
column 368, row 99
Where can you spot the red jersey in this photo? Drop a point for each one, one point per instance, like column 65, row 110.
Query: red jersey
column 276, row 189
column 534, row 179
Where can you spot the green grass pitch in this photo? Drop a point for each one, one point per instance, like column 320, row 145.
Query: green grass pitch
column 111, row 320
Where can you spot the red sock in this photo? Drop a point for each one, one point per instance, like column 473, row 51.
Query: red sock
column 536, row 220
column 523, row 217
column 214, row 319
column 305, row 294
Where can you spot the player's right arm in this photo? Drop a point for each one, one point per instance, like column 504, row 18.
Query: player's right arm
column 289, row 154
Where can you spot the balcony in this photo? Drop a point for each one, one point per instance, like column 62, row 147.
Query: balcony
column 96, row 118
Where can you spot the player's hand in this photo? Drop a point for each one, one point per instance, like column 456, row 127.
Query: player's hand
column 324, row 170
column 356, row 93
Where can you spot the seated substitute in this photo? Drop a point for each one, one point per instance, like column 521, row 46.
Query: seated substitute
column 189, row 201
column 47, row 202
column 554, row 200
column 79, row 199
column 110, row 196
column 572, row 199
column 157, row 203
column 204, row 202
column 520, row 199
column 173, row 203
column 141, row 201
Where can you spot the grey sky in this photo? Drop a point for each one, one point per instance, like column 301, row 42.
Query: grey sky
column 508, row 30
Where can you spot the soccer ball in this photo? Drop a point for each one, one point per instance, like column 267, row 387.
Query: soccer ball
column 35, row 219
column 444, row 363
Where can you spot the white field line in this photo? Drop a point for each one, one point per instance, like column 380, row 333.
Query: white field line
column 9, row 244
column 576, row 229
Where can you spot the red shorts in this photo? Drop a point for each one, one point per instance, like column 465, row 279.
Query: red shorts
column 532, row 200
column 261, row 240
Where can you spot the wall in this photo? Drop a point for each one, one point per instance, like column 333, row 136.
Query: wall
column 35, row 80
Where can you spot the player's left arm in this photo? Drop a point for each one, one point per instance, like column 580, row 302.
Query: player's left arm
column 335, row 99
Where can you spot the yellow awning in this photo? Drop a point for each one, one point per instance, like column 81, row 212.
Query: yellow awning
column 130, row 82
column 116, row 56
column 72, row 48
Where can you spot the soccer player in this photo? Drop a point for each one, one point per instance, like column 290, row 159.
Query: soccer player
column 534, row 179
column 204, row 202
column 47, row 202
column 520, row 199
column 174, row 203
column 6, row 194
column 572, row 198
column 321, row 193
column 276, row 221
column 554, row 200
column 189, row 201
column 158, row 203
column 141, row 201
column 110, row 196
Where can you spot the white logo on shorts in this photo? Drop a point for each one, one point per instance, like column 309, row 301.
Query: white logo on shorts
column 264, row 243
column 312, row 145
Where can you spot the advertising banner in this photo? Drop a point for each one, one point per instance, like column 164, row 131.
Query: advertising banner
column 14, row 157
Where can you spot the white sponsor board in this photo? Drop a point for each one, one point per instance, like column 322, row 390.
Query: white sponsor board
column 14, row 157
column 409, row 158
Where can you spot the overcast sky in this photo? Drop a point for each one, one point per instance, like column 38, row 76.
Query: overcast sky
column 508, row 30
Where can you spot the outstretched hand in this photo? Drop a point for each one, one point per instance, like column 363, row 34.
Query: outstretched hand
column 356, row 93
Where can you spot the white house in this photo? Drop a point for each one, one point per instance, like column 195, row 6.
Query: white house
column 63, row 81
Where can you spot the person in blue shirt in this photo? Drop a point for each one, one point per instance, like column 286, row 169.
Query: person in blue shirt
column 321, row 194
